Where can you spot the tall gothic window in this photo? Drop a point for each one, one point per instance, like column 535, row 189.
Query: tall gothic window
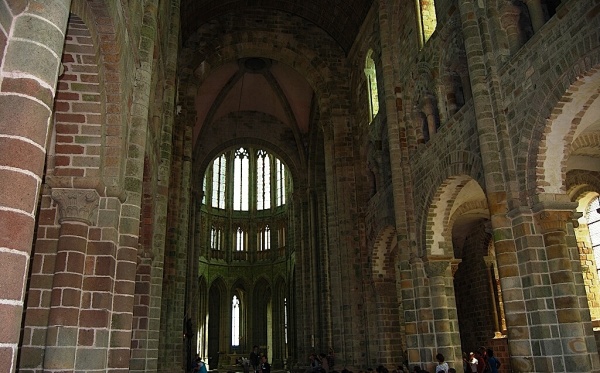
column 426, row 19
column 285, row 320
column 204, row 189
column 263, row 181
column 371, row 76
column 280, row 182
column 593, row 221
column 218, row 182
column 240, row 179
column 235, row 321
column 246, row 188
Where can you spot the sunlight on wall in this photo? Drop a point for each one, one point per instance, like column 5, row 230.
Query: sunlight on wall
column 371, row 75
column 426, row 18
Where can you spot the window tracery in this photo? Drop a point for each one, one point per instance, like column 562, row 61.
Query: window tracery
column 247, row 213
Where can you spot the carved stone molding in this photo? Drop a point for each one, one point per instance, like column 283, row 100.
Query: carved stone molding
column 554, row 221
column 454, row 265
column 76, row 204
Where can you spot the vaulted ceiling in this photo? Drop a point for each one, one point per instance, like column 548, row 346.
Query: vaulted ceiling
column 258, row 86
column 341, row 19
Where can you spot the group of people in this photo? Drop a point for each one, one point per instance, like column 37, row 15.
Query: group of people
column 259, row 361
column 480, row 361
column 321, row 363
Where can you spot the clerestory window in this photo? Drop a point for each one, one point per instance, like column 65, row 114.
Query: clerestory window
column 241, row 180
column 218, row 182
column 246, row 212
column 263, row 181
column 371, row 76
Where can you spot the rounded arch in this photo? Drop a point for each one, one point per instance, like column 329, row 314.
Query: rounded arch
column 384, row 253
column 107, row 37
column 562, row 114
column 461, row 221
column 455, row 196
column 580, row 182
column 446, row 180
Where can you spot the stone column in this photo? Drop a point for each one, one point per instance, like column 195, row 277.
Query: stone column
column 489, row 264
column 510, row 22
column 32, row 47
column 76, row 208
column 564, row 328
column 536, row 14
column 430, row 110
column 497, row 163
column 445, row 319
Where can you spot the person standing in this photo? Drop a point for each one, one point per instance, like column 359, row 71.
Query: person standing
column 442, row 366
column 265, row 367
column 473, row 362
column 254, row 358
column 493, row 361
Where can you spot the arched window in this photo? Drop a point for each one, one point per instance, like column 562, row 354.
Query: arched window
column 235, row 321
column 218, row 182
column 216, row 236
column 371, row 75
column 280, row 182
column 426, row 19
column 593, row 221
column 248, row 186
column 285, row 320
column 241, row 180
column 263, row 181
column 240, row 240
column 264, row 238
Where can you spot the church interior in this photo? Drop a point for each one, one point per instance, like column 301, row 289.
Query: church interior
column 387, row 180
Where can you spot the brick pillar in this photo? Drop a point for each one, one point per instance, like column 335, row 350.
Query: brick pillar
column 75, row 207
column 564, row 328
column 445, row 318
column 536, row 14
column 34, row 34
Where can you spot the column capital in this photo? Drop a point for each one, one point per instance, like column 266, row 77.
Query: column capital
column 436, row 267
column 552, row 217
column 76, row 204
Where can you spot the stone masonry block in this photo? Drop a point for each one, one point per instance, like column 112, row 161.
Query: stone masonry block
column 34, row 29
column 23, row 56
